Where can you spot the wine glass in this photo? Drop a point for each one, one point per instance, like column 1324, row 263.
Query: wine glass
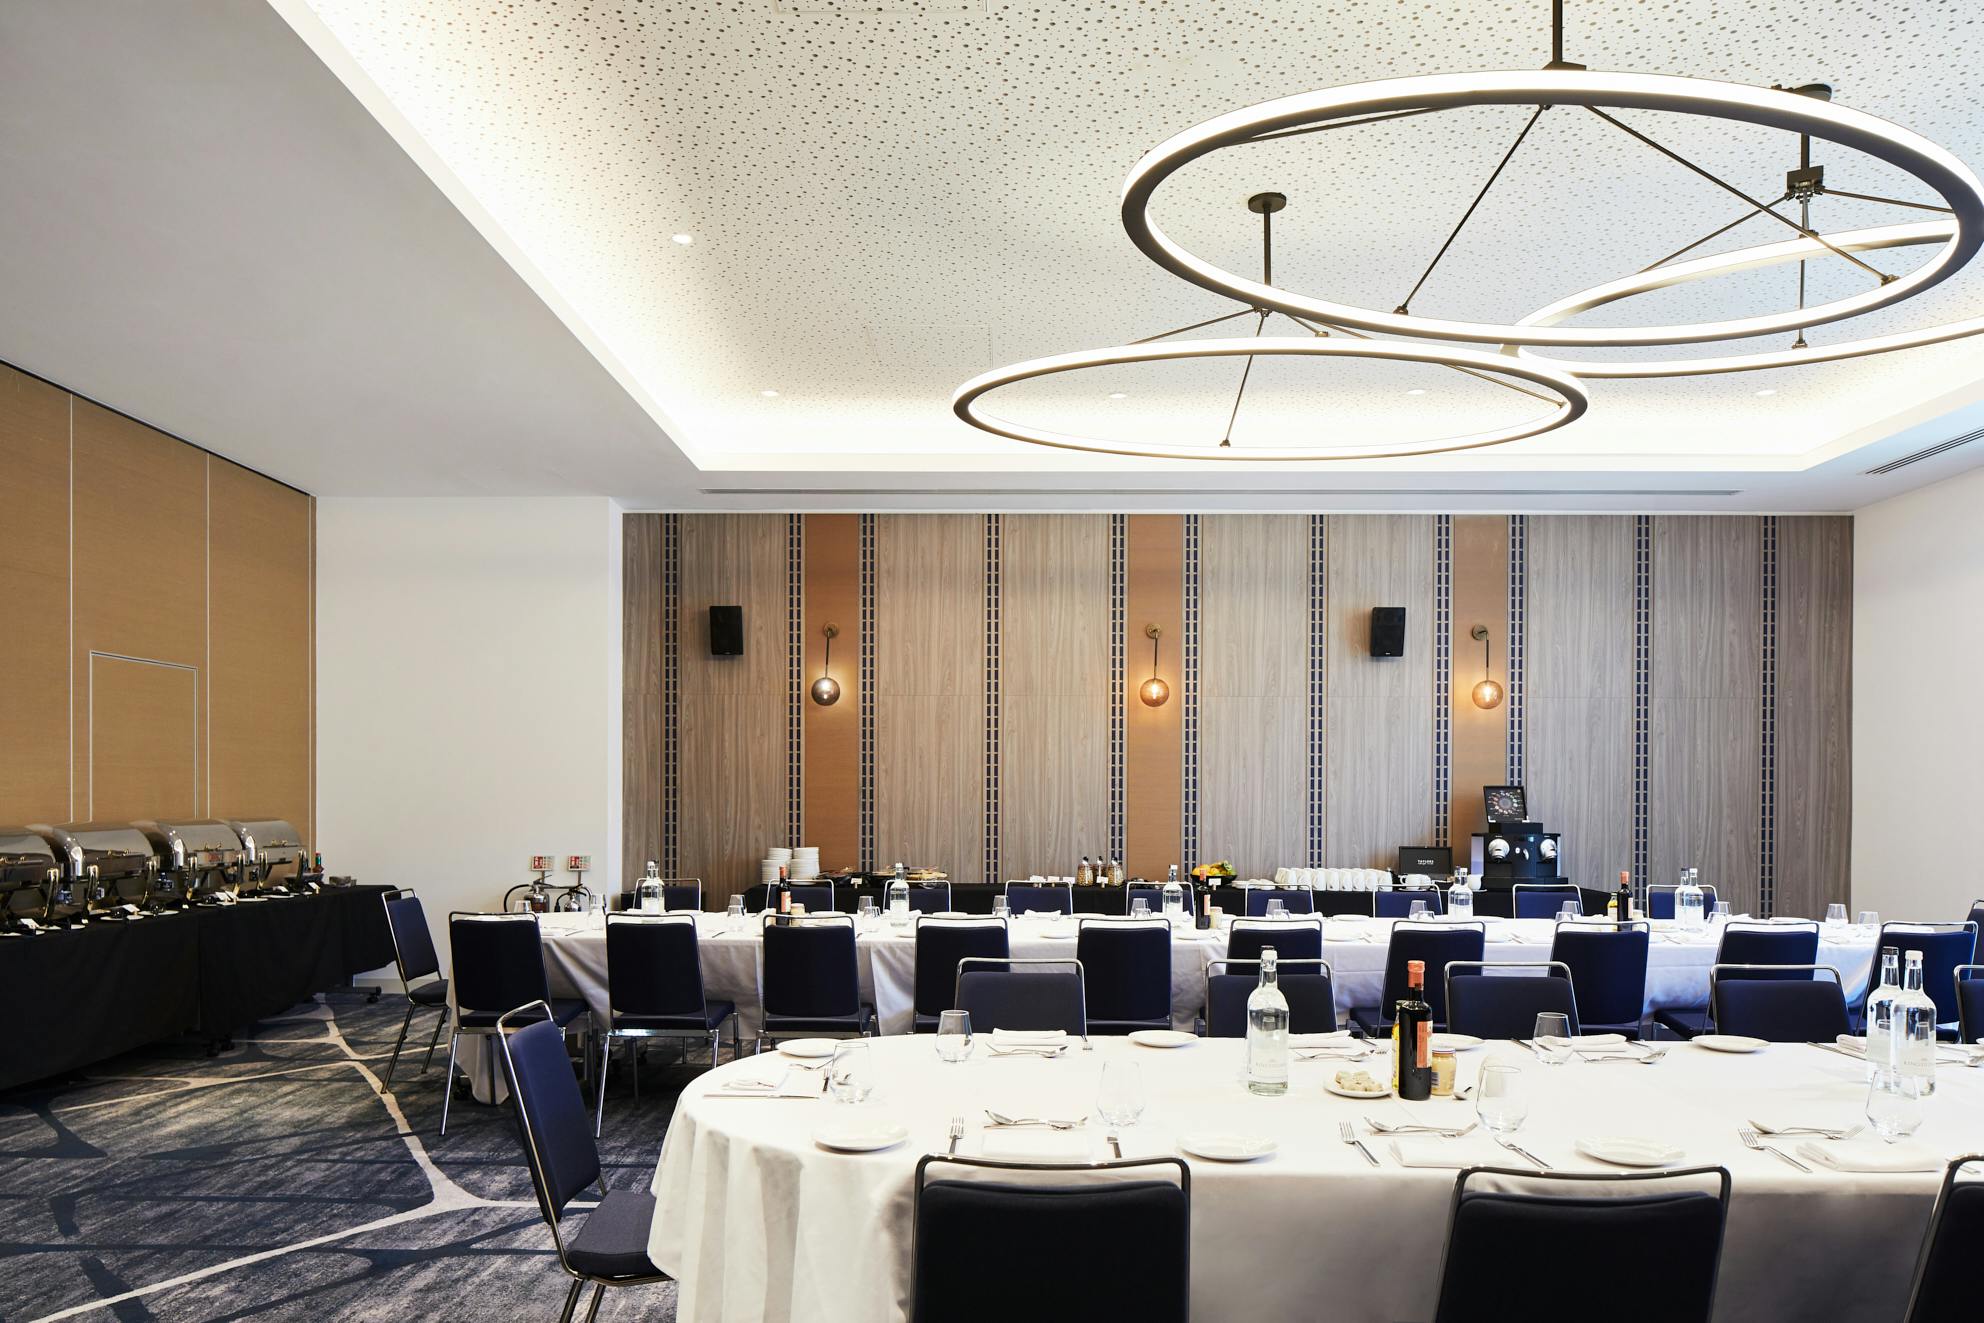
column 1120, row 1098
column 851, row 1075
column 1553, row 1038
column 1835, row 915
column 1499, row 1103
column 953, row 1036
column 1894, row 1106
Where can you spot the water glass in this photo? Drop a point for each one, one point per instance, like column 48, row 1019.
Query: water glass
column 953, row 1036
column 1277, row 909
column 1569, row 911
column 1894, row 1106
column 1869, row 919
column 866, row 909
column 1552, row 1038
column 1721, row 912
column 851, row 1075
column 1416, row 910
column 1120, row 1098
column 1499, row 1103
column 1835, row 915
column 1140, row 908
column 1000, row 910
column 734, row 914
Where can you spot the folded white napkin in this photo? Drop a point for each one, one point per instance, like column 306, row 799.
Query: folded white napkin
column 1035, row 1144
column 1467, row 1151
column 1869, row 1155
column 1029, row 1037
column 791, row 1084
column 1334, row 1038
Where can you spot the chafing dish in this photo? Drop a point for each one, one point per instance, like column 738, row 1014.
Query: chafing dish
column 203, row 856
column 105, row 865
column 29, row 876
column 271, row 853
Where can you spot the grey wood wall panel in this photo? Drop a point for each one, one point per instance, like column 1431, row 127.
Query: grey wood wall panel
column 1814, row 801
column 1579, row 678
column 930, row 692
column 1254, row 690
column 1378, row 736
column 1055, row 690
column 732, row 743
column 1705, row 746
column 640, row 670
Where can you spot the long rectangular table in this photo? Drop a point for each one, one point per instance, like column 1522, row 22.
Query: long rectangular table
column 976, row 898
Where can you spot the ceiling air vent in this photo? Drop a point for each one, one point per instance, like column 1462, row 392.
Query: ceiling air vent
column 1930, row 453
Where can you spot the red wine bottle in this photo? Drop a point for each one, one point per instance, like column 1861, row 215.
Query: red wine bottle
column 1412, row 1037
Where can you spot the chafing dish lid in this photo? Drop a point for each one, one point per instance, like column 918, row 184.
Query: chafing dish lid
column 203, row 836
column 268, row 833
column 114, row 848
column 24, row 856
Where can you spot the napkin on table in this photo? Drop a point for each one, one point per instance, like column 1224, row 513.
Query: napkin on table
column 791, row 1084
column 1029, row 1037
column 1869, row 1155
column 1453, row 1154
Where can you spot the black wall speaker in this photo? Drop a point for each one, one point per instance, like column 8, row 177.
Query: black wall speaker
column 1387, row 631
column 726, row 631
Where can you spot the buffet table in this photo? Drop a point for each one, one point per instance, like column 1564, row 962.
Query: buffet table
column 976, row 898
column 762, row 1224
column 77, row 996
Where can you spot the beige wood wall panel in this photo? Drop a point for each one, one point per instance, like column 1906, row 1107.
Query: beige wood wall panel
column 833, row 734
column 1705, row 750
column 140, row 561
column 1055, row 692
column 1379, row 732
column 1814, row 712
column 1153, row 737
column 1480, row 751
column 1579, row 690
column 1254, row 690
column 731, row 751
column 929, row 774
column 258, row 677
column 145, row 749
column 640, row 692
column 36, row 768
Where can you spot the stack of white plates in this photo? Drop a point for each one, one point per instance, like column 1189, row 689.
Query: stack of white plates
column 768, row 870
column 805, row 863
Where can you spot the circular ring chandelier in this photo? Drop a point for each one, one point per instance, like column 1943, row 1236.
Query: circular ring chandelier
column 1599, row 93
column 1748, row 259
column 1572, row 399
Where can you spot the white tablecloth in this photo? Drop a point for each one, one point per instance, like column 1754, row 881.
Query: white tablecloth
column 758, row 1223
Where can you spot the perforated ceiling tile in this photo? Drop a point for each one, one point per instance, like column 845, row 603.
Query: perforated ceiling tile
column 883, row 204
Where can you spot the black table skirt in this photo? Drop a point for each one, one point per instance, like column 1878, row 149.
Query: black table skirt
column 70, row 998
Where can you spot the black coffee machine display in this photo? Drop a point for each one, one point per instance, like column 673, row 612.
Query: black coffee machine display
column 1513, row 849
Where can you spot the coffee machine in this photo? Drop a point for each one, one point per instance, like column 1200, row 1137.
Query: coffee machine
column 1514, row 848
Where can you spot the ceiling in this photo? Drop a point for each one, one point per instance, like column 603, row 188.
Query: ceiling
column 437, row 256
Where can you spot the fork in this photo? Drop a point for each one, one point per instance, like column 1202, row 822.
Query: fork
column 1847, row 1133
column 956, row 1132
column 1522, row 1152
column 1651, row 1058
column 1348, row 1133
column 1001, row 1119
column 1750, row 1140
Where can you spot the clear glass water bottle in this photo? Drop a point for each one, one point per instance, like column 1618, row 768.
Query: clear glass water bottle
column 1174, row 897
column 1688, row 900
column 1267, row 1033
column 899, row 894
column 1880, row 1013
column 1460, row 900
column 651, row 897
column 1915, row 1032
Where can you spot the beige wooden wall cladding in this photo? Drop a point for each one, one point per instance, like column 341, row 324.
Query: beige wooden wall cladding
column 161, row 661
column 1681, row 696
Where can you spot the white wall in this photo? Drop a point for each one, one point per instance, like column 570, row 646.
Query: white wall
column 468, row 692
column 1918, row 700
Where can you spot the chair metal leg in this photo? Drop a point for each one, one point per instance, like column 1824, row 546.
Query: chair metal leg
column 398, row 1043
column 599, row 1115
column 639, row 1048
column 440, row 1023
column 713, row 1048
column 448, row 1086
column 598, row 1294
column 572, row 1301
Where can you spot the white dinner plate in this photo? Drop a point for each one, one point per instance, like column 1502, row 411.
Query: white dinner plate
column 1057, row 934
column 1628, row 1151
column 1163, row 1038
column 1219, row 1146
column 1330, row 1086
column 1456, row 1042
column 859, row 1135
column 1728, row 1042
column 810, row 1048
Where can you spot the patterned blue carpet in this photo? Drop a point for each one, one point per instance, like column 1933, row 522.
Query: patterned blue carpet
column 274, row 1182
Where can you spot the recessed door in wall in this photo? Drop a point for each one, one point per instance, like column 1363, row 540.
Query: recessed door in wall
column 144, row 738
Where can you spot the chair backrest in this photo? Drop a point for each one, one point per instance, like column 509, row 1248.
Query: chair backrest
column 1022, row 994
column 1153, row 895
column 1436, row 944
column 1112, row 1217
column 940, row 944
column 1292, row 939
column 653, row 965
column 1977, row 917
column 1025, row 898
column 497, row 960
column 1294, row 899
column 1309, row 987
column 817, row 897
column 810, row 967
column 551, row 1115
column 1944, row 946
column 1945, row 1288
column 1608, row 968
column 1970, row 1002
column 1396, row 903
column 682, row 893
column 1758, row 948
column 925, row 897
column 1811, row 1009
column 1660, row 899
column 1505, row 1217
column 1126, row 968
column 413, row 944
column 1502, row 1000
column 1543, row 900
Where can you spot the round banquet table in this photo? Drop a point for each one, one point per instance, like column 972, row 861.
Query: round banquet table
column 757, row 1222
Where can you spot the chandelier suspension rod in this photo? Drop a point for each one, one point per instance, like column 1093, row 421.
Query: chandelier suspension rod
column 1714, row 234
column 1405, row 305
column 1892, row 202
column 1315, row 329
column 1195, row 326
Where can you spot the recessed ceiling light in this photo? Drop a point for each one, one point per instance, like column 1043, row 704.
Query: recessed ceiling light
column 1118, row 395
column 769, row 394
column 1417, row 390
column 684, row 239
column 1767, row 391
